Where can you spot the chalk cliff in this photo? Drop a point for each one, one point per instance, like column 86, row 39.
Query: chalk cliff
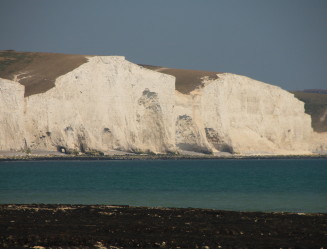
column 108, row 103
column 12, row 120
column 237, row 114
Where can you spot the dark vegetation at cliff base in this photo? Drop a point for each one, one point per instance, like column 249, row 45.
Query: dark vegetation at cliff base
column 80, row 226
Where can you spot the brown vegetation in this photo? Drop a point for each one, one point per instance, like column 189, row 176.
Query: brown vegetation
column 186, row 80
column 37, row 71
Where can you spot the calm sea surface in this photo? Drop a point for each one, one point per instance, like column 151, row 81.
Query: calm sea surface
column 242, row 185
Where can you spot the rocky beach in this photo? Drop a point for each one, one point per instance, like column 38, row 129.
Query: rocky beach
column 99, row 226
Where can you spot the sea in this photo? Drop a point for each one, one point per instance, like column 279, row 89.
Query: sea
column 268, row 185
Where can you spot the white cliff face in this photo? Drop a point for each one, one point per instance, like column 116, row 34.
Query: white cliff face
column 110, row 103
column 11, row 115
column 258, row 117
column 190, row 130
column 107, row 103
column 319, row 143
column 242, row 115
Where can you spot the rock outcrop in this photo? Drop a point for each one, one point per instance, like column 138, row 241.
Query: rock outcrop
column 107, row 103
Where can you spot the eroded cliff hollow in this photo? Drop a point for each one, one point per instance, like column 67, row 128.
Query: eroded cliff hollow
column 107, row 103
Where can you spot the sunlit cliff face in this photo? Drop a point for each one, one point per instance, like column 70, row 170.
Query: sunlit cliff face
column 108, row 103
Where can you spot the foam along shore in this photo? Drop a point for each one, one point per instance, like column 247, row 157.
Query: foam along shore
column 100, row 226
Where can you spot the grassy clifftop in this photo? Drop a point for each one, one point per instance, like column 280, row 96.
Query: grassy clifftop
column 37, row 71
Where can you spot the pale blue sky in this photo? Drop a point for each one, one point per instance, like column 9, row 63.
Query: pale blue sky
column 282, row 42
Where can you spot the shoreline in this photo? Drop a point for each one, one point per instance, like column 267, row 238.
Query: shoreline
column 122, row 226
column 64, row 157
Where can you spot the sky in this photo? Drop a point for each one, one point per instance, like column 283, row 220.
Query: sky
column 281, row 42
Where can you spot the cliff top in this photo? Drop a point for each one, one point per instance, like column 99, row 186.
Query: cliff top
column 186, row 80
column 37, row 71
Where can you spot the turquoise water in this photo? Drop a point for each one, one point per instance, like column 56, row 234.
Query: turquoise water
column 242, row 185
